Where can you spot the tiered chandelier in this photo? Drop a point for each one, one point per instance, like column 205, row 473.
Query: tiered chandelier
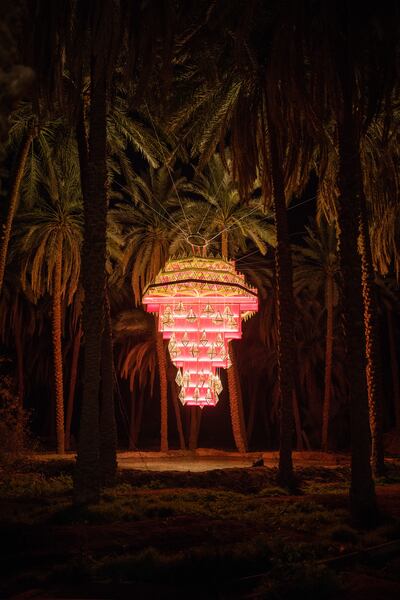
column 201, row 303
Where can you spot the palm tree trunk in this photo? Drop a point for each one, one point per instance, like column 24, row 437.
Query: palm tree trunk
column 224, row 244
column 177, row 409
column 195, row 420
column 13, row 203
column 286, row 312
column 297, row 421
column 57, row 348
column 162, row 371
column 236, row 403
column 373, row 349
column 138, row 420
column 394, row 364
column 252, row 413
column 20, row 357
column 131, row 440
column 362, row 491
column 326, row 408
column 267, row 426
column 72, row 385
column 108, row 427
column 87, row 472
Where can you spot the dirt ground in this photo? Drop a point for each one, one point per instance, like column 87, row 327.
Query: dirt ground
column 31, row 550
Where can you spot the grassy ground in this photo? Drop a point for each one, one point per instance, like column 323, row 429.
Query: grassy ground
column 170, row 534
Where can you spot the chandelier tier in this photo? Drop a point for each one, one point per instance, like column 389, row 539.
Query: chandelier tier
column 200, row 303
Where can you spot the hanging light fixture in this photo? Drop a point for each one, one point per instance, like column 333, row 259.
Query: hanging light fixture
column 201, row 303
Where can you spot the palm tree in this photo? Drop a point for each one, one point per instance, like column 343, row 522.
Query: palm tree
column 48, row 244
column 149, row 223
column 146, row 356
column 32, row 141
column 74, row 320
column 95, row 203
column 244, row 100
column 13, row 203
column 112, row 34
column 16, row 318
column 339, row 90
column 218, row 213
column 389, row 306
column 147, row 227
column 317, row 271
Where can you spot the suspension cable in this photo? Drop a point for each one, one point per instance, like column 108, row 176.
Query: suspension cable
column 168, row 169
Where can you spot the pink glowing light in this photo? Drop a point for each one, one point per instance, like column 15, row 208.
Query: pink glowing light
column 200, row 303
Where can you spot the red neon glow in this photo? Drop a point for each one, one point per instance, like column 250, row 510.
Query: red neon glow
column 200, row 303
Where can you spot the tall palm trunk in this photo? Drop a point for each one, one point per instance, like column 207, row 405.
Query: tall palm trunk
column 326, row 407
column 138, row 419
column 20, row 356
column 13, row 203
column 72, row 386
column 57, row 348
column 195, row 420
column 394, row 367
column 362, row 492
column 177, row 409
column 162, row 372
column 108, row 427
column 236, row 403
column 252, row 412
column 224, row 244
column 87, row 472
column 234, row 389
column 297, row 421
column 132, row 440
column 373, row 349
column 286, row 311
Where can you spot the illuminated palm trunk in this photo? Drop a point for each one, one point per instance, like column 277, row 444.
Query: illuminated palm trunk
column 72, row 386
column 136, row 421
column 373, row 349
column 326, row 409
column 362, row 491
column 178, row 416
column 195, row 421
column 20, row 356
column 394, row 364
column 108, row 428
column 162, row 373
column 13, row 203
column 236, row 403
column 297, row 421
column 252, row 412
column 224, row 244
column 57, row 348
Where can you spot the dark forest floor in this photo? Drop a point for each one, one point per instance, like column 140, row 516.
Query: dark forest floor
column 224, row 533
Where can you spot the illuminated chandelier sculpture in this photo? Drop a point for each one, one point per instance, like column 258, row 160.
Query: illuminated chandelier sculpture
column 200, row 304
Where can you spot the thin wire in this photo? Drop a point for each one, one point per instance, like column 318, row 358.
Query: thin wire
column 301, row 203
column 247, row 255
column 166, row 164
column 265, row 218
column 204, row 218
column 168, row 217
column 215, row 196
column 234, row 225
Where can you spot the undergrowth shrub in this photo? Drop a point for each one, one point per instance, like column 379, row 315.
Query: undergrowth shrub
column 14, row 430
